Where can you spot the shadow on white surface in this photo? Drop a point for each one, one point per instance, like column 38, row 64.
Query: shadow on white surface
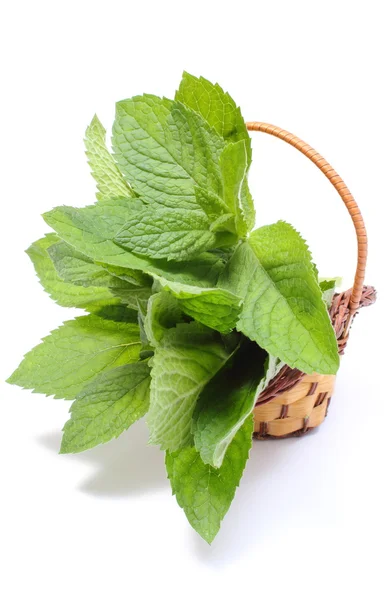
column 286, row 485
column 280, row 488
column 123, row 467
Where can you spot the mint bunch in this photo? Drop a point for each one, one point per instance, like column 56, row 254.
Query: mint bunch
column 190, row 312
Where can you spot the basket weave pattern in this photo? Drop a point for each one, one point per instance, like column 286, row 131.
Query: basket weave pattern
column 293, row 403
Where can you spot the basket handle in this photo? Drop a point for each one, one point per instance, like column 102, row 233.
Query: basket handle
column 345, row 195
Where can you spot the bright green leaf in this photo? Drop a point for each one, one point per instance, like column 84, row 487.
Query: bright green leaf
column 63, row 292
column 130, row 275
column 79, row 269
column 163, row 313
column 214, row 307
column 107, row 407
column 216, row 107
column 204, row 493
column 234, row 166
column 91, row 230
column 211, row 204
column 173, row 234
column 110, row 182
column 220, row 111
column 185, row 360
column 203, row 271
column 328, row 288
column 227, row 401
column 73, row 355
column 146, row 348
column 283, row 308
column 165, row 150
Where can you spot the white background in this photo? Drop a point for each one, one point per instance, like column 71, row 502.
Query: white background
column 309, row 519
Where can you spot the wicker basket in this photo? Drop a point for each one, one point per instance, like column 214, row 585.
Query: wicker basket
column 293, row 403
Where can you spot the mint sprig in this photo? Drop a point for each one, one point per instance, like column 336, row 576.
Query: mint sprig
column 190, row 312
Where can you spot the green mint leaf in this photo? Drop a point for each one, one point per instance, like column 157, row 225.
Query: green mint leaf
column 165, row 150
column 146, row 348
column 227, row 401
column 234, row 163
column 283, row 308
column 110, row 182
column 204, row 493
column 107, row 407
column 327, row 284
column 220, row 111
column 75, row 353
column 63, row 292
column 328, row 288
column 214, row 307
column 130, row 275
column 118, row 313
column 216, row 107
column 131, row 296
column 225, row 222
column 174, row 234
column 163, row 313
column 185, row 360
column 79, row 269
column 91, row 231
column 203, row 271
column 211, row 204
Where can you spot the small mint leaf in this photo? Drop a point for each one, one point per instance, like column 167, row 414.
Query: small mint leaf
column 107, row 407
column 110, row 182
column 75, row 353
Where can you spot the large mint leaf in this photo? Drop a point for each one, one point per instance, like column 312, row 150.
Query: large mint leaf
column 174, row 234
column 73, row 355
column 227, row 401
column 91, row 230
column 283, row 308
column 107, row 407
column 216, row 107
column 214, row 307
column 165, row 149
column 79, row 269
column 185, row 360
column 204, row 493
column 110, row 182
column 63, row 292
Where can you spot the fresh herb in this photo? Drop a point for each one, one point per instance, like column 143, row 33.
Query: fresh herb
column 190, row 312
